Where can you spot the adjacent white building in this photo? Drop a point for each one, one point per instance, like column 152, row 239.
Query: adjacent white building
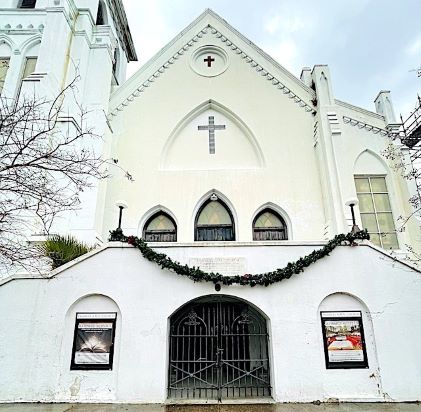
column 240, row 168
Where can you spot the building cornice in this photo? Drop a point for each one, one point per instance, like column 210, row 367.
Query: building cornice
column 369, row 127
column 365, row 112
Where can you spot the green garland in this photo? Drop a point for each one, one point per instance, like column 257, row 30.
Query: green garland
column 262, row 279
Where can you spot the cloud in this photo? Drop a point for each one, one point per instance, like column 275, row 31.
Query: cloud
column 285, row 52
column 286, row 23
column 414, row 48
column 149, row 29
column 272, row 25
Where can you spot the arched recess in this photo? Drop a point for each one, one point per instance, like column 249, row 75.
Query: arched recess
column 279, row 211
column 225, row 229
column 30, row 47
column 370, row 163
column 218, row 349
column 6, row 40
column 343, row 309
column 92, row 306
column 224, row 111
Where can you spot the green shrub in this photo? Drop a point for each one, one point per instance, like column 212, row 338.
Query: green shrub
column 63, row 249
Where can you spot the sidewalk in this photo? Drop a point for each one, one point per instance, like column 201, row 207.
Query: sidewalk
column 343, row 407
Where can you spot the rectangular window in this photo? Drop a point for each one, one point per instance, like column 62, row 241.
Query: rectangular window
column 27, row 4
column 93, row 342
column 375, row 210
column 343, row 340
column 28, row 69
column 30, row 64
column 4, row 67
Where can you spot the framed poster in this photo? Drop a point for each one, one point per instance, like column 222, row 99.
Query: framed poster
column 93, row 342
column 343, row 340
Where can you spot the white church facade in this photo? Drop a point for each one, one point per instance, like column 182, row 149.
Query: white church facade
column 240, row 168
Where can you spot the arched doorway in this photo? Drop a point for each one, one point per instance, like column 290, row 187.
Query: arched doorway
column 218, row 350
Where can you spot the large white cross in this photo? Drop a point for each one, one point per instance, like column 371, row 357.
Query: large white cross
column 212, row 127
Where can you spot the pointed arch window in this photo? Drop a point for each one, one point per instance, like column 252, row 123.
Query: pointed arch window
column 214, row 221
column 160, row 228
column 269, row 225
column 101, row 16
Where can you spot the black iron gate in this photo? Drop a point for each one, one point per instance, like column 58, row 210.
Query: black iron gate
column 218, row 350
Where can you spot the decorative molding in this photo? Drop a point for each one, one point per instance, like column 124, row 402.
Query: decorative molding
column 211, row 70
column 214, row 105
column 333, row 121
column 315, row 133
column 249, row 60
column 35, row 77
column 369, row 127
column 20, row 30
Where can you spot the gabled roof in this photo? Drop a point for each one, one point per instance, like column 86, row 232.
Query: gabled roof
column 210, row 22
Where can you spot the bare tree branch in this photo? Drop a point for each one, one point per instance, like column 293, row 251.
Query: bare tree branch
column 43, row 169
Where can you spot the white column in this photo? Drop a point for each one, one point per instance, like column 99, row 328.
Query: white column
column 53, row 57
column 327, row 128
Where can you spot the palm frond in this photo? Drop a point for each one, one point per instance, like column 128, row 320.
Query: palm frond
column 63, row 249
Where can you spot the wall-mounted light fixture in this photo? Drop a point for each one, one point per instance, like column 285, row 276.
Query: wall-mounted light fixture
column 352, row 203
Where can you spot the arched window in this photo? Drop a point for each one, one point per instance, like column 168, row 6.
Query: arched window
column 160, row 228
column 268, row 225
column 214, row 221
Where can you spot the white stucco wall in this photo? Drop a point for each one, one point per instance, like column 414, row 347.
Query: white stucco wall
column 280, row 154
column 36, row 335
column 274, row 149
column 64, row 37
column 267, row 137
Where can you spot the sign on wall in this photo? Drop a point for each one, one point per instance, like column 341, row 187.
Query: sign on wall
column 93, row 342
column 343, row 339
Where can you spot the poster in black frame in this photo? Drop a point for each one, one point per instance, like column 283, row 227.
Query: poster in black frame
column 93, row 341
column 344, row 340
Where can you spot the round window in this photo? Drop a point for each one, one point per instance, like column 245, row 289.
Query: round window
column 209, row 61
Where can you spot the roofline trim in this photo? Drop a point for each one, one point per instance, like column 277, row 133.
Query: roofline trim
column 150, row 71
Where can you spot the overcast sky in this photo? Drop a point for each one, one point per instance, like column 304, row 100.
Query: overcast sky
column 369, row 45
